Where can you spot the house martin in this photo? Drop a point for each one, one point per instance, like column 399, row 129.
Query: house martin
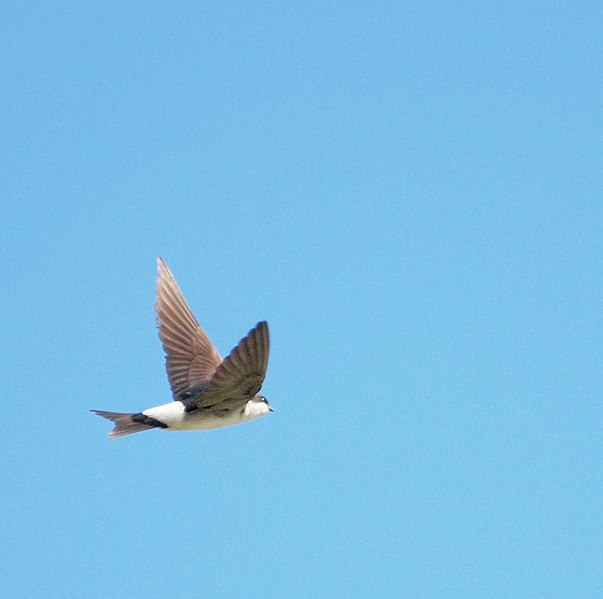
column 207, row 392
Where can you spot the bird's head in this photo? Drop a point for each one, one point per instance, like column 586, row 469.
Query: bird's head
column 257, row 406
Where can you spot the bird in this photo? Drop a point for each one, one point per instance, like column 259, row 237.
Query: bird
column 207, row 391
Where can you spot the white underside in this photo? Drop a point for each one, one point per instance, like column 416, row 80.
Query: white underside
column 173, row 415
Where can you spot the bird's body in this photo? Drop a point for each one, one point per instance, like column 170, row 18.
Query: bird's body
column 174, row 415
column 208, row 392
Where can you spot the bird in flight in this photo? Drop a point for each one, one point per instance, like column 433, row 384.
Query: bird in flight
column 207, row 392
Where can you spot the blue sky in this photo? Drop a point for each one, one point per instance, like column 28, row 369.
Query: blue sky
column 409, row 193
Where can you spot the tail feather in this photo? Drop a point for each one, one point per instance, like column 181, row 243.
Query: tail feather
column 124, row 424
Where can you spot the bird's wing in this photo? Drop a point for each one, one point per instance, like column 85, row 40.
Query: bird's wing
column 240, row 376
column 190, row 357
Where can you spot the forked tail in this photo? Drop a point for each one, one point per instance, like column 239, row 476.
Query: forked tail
column 125, row 424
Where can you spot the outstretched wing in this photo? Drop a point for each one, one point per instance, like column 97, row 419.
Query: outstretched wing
column 190, row 357
column 240, row 376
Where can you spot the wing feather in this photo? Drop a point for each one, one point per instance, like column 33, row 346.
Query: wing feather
column 190, row 357
column 240, row 376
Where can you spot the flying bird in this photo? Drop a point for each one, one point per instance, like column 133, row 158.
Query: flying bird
column 207, row 392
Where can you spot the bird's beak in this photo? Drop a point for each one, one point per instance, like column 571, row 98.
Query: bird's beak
column 271, row 409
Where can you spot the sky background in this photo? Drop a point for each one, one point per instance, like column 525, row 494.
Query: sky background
column 409, row 193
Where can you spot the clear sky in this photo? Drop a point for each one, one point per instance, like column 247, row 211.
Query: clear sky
column 409, row 193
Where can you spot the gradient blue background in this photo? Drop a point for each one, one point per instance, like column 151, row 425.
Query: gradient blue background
column 410, row 194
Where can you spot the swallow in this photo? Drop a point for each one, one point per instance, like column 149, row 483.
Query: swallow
column 208, row 392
